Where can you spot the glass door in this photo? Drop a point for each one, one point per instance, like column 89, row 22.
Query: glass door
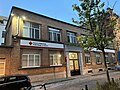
column 74, row 64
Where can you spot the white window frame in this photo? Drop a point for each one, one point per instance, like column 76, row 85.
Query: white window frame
column 56, row 32
column 29, row 30
column 28, row 55
column 72, row 37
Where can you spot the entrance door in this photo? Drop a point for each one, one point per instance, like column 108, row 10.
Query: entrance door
column 74, row 64
column 2, row 68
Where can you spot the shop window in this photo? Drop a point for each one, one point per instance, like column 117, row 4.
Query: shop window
column 31, row 30
column 87, row 58
column 31, row 58
column 54, row 34
column 71, row 37
column 98, row 58
column 55, row 58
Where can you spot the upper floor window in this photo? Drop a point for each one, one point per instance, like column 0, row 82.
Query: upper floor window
column 31, row 30
column 71, row 37
column 54, row 34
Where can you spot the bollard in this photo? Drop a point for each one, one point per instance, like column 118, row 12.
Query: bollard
column 113, row 80
column 86, row 87
column 44, row 87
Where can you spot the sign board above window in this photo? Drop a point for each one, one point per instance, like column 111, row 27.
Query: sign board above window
column 40, row 44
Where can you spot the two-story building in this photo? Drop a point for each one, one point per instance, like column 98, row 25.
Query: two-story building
column 42, row 46
column 46, row 48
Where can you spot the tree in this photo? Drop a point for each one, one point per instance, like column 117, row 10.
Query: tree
column 99, row 24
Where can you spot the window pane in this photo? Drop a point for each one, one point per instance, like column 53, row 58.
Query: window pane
column 54, row 37
column 58, row 37
column 25, row 32
column 31, row 30
column 37, row 63
column 37, row 34
column 71, row 36
column 34, row 25
column 54, row 34
column 31, row 60
column 50, row 36
column 55, row 58
column 24, row 60
column 73, row 56
column 32, row 33
column 87, row 59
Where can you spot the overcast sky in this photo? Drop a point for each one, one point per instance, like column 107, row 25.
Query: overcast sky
column 58, row 9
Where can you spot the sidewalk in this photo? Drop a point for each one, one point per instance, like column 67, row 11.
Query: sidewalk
column 67, row 79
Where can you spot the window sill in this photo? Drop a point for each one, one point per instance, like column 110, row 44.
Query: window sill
column 99, row 63
column 30, row 67
column 56, row 65
column 88, row 63
column 40, row 67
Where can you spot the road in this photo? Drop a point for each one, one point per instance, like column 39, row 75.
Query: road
column 80, row 81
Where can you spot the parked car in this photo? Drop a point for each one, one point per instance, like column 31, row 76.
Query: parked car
column 14, row 82
column 116, row 67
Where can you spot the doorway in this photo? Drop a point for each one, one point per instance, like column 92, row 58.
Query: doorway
column 74, row 64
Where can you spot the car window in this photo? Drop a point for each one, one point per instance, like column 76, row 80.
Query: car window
column 22, row 77
column 12, row 79
column 2, row 80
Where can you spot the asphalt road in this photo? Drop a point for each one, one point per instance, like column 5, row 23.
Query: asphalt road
column 80, row 81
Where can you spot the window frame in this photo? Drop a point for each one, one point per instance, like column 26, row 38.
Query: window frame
column 30, row 29
column 51, row 54
column 28, row 60
column 72, row 37
column 56, row 32
column 89, row 59
column 98, row 55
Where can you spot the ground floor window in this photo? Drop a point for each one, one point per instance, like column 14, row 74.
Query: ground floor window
column 112, row 58
column 87, row 58
column 98, row 58
column 55, row 58
column 31, row 58
column 107, row 58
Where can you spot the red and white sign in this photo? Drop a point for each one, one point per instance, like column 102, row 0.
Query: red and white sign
column 40, row 44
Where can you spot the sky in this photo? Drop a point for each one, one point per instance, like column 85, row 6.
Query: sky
column 58, row 9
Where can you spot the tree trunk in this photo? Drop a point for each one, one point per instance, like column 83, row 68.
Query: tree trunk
column 106, row 68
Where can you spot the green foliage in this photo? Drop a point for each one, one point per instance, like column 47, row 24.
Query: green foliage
column 98, row 23
column 108, row 86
